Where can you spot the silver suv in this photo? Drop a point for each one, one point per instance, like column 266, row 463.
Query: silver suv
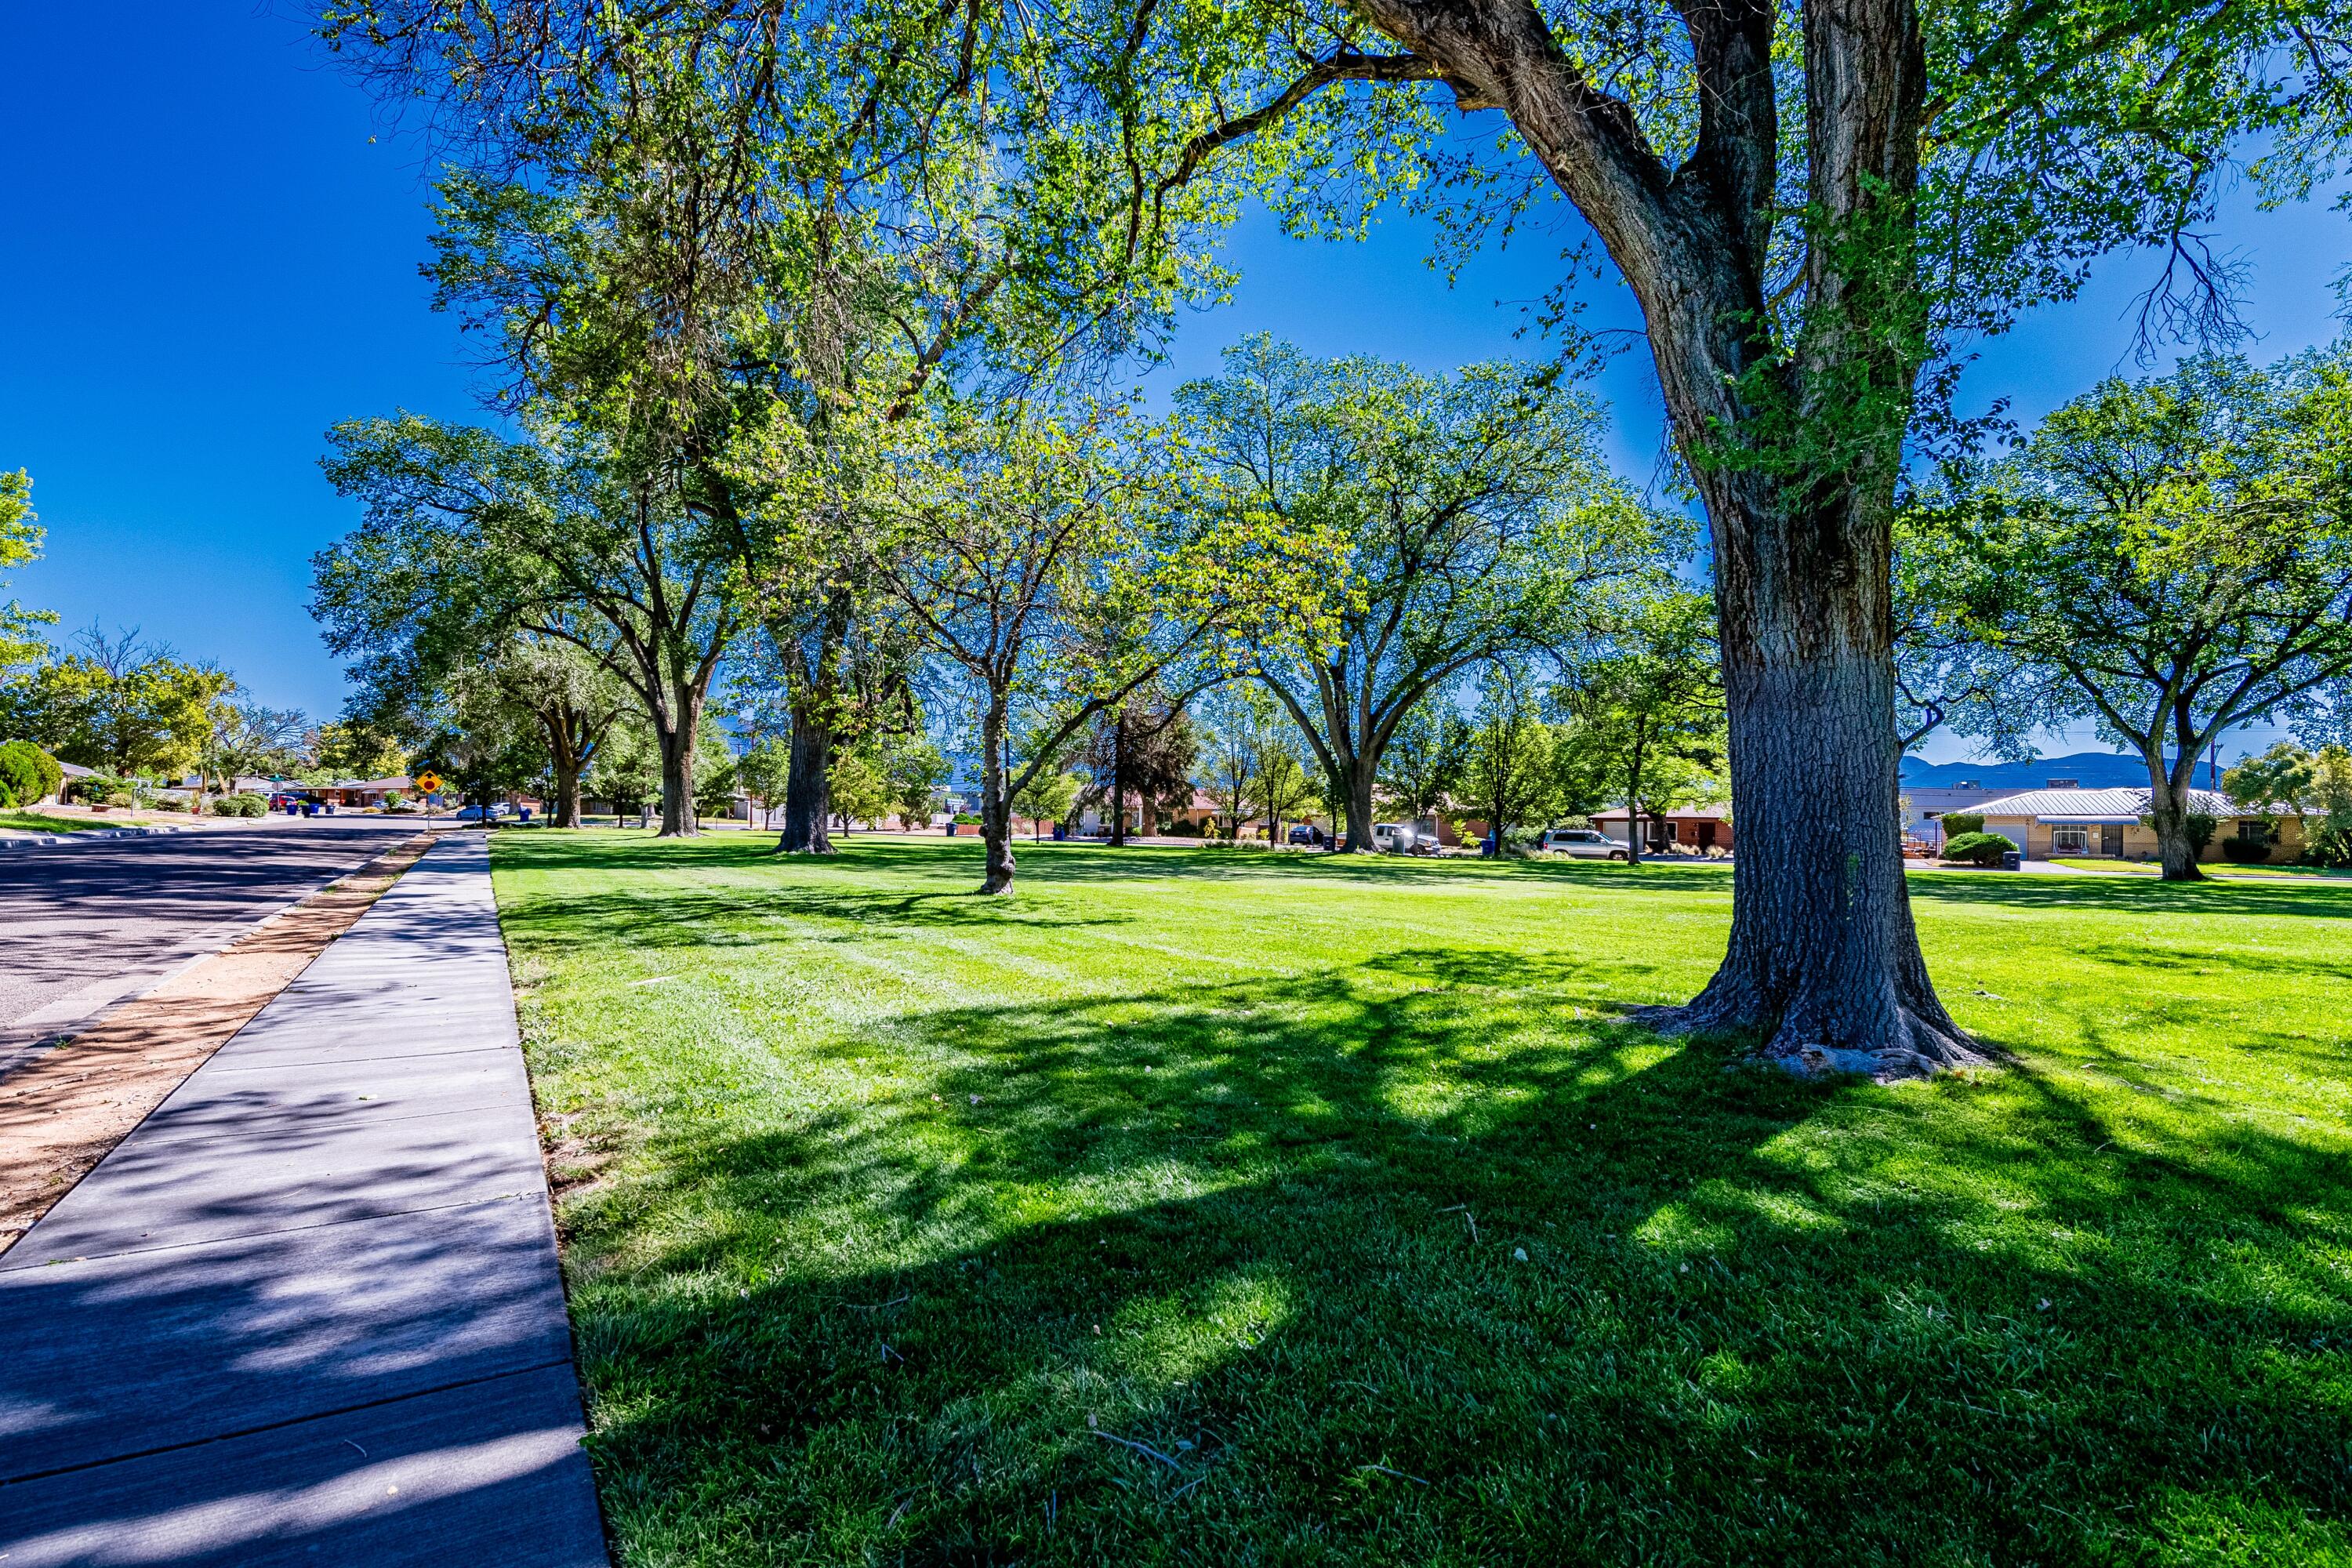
column 1583, row 844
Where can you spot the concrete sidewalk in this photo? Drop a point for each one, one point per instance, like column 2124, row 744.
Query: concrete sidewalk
column 308, row 1311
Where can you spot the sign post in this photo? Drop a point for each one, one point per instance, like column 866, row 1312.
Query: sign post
column 429, row 785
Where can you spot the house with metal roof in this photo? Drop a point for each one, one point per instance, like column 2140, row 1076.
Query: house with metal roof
column 2069, row 824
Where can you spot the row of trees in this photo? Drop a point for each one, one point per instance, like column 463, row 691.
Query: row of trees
column 1350, row 538
column 732, row 256
column 2166, row 560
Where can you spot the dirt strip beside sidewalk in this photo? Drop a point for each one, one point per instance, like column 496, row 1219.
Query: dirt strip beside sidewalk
column 61, row 1113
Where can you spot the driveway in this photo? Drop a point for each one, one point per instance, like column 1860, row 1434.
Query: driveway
column 82, row 926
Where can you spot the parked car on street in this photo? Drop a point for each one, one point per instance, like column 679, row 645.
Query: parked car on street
column 1582, row 844
column 1306, row 833
column 1403, row 839
column 475, row 813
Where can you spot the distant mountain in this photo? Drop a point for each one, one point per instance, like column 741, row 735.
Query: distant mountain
column 2092, row 770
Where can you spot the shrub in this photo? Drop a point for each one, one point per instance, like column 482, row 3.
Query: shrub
column 28, row 773
column 1958, row 823
column 92, row 789
column 122, row 797
column 1977, row 848
column 1520, row 843
column 1185, row 830
column 2245, row 851
column 240, row 805
column 2327, row 842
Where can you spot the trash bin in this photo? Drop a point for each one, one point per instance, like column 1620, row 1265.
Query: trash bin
column 1061, row 831
column 952, row 826
column 2011, row 860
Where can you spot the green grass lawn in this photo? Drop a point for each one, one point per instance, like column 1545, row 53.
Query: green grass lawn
column 1212, row 1208
column 42, row 822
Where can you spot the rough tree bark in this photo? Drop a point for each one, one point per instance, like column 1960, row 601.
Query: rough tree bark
column 996, row 801
column 2168, row 803
column 808, row 787
column 572, row 737
column 1822, row 957
column 816, row 694
column 674, row 735
column 1119, row 778
column 563, row 758
column 1634, row 762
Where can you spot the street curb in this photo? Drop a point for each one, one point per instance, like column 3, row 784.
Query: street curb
column 50, row 840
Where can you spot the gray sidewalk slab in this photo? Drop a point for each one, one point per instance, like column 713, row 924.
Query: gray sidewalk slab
column 310, row 1310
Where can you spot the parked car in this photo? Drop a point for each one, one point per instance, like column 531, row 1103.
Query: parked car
column 1403, row 839
column 478, row 813
column 1583, row 844
column 1306, row 833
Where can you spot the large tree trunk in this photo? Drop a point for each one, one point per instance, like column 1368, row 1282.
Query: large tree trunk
column 1633, row 805
column 677, row 744
column 816, row 692
column 1360, row 771
column 808, row 785
column 1119, row 778
column 995, row 803
column 563, row 762
column 567, row 793
column 2168, row 809
column 1823, row 959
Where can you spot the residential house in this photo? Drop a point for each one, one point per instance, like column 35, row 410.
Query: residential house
column 1924, row 807
column 1690, row 831
column 2067, row 823
column 363, row 791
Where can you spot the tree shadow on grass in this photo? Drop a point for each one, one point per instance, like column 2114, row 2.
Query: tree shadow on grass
column 705, row 917
column 1231, row 1273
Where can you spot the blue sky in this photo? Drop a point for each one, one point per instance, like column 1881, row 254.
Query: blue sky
column 209, row 261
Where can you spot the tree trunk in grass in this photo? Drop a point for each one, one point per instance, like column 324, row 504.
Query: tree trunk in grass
column 675, row 741
column 816, row 692
column 1118, row 777
column 808, row 789
column 995, row 802
column 565, row 764
column 567, row 792
column 1822, row 952
column 1360, row 772
column 1634, row 757
column 2169, row 801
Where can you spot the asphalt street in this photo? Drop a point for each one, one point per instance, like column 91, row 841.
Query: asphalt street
column 83, row 926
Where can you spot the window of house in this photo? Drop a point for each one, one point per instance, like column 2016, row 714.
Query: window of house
column 2254, row 832
column 2074, row 840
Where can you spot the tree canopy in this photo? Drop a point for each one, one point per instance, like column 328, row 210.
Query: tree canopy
column 1464, row 517
column 2166, row 559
